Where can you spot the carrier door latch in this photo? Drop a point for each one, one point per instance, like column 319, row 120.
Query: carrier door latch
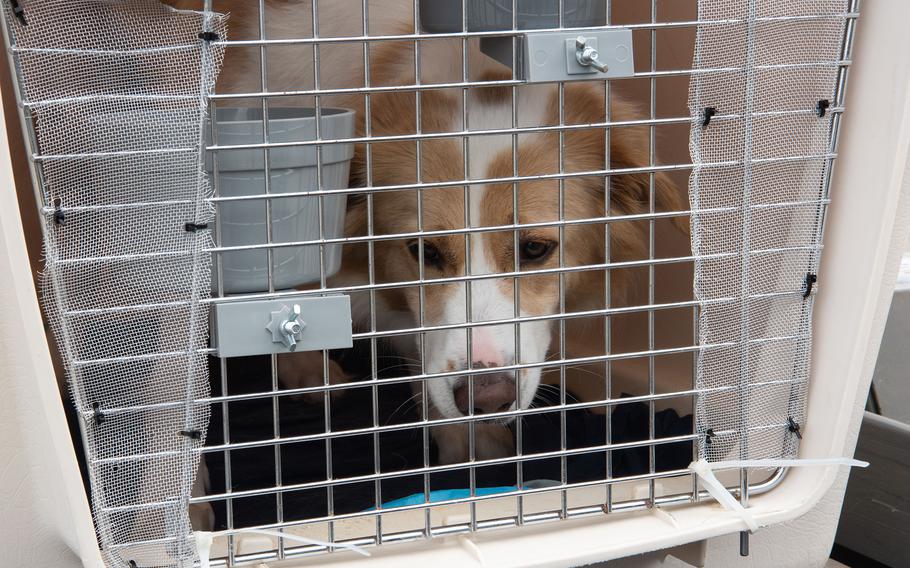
column 242, row 328
column 286, row 325
column 576, row 55
column 586, row 54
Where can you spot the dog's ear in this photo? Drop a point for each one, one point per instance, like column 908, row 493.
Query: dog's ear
column 631, row 193
column 629, row 150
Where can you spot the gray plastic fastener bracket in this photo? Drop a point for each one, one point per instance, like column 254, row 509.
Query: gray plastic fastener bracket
column 263, row 327
column 554, row 56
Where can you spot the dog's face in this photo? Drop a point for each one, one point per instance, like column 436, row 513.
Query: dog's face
column 479, row 294
column 490, row 270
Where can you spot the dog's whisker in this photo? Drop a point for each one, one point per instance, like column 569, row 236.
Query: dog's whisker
column 410, row 366
column 401, row 407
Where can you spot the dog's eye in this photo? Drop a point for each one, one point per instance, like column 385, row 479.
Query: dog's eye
column 431, row 254
column 536, row 251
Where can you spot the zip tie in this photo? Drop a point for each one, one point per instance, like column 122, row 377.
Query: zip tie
column 204, row 547
column 706, row 116
column 811, row 279
column 793, row 427
column 208, row 36
column 471, row 548
column 665, row 516
column 822, row 107
column 59, row 215
column 97, row 413
column 716, row 489
column 193, row 227
column 191, row 434
column 705, row 472
column 204, row 541
column 18, row 12
column 709, row 435
column 794, row 462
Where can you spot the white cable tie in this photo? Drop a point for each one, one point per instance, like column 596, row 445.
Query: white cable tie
column 705, row 472
column 204, row 546
column 797, row 462
column 716, row 489
column 665, row 516
column 468, row 544
column 204, row 542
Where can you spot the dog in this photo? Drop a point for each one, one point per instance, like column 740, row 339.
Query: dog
column 468, row 263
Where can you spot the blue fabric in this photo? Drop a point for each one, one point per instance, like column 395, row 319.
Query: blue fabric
column 445, row 495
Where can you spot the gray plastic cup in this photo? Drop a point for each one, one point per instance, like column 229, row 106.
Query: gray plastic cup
column 294, row 219
column 437, row 16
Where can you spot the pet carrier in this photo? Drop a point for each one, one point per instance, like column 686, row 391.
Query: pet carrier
column 372, row 278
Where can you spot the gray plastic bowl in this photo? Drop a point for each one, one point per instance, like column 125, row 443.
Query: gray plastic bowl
column 294, row 219
column 445, row 16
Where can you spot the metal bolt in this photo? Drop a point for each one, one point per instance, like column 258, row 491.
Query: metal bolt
column 285, row 326
column 292, row 327
column 587, row 56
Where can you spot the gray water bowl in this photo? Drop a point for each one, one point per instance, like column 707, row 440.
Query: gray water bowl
column 294, row 219
column 445, row 16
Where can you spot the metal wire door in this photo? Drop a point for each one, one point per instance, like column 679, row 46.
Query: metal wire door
column 323, row 450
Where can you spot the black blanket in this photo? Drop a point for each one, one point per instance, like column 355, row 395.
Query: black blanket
column 402, row 450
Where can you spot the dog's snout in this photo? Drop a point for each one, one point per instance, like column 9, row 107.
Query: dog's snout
column 492, row 393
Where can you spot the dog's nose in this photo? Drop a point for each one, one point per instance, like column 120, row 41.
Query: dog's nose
column 484, row 351
column 492, row 393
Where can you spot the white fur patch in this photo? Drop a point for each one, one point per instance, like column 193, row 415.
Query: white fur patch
column 490, row 300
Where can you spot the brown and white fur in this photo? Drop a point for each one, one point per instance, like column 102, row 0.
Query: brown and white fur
column 444, row 209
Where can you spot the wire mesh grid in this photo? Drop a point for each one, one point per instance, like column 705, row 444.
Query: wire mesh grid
column 358, row 447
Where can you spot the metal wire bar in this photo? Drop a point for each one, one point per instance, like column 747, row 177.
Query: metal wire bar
column 371, row 266
column 222, row 363
column 270, row 264
column 421, row 297
column 506, row 275
column 266, row 491
column 505, row 414
column 540, row 177
column 608, row 289
column 652, row 151
column 516, row 283
column 509, row 83
column 448, row 530
column 745, row 267
column 504, row 33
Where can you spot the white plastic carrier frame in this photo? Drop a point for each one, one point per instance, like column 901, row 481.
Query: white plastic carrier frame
column 515, row 283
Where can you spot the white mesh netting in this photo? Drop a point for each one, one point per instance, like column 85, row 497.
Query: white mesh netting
column 758, row 192
column 117, row 94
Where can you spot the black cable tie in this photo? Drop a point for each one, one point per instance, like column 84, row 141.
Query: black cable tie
column 132, row 564
column 793, row 427
column 822, row 107
column 208, row 36
column 18, row 12
column 709, row 434
column 191, row 434
column 193, row 227
column 706, row 116
column 59, row 215
column 98, row 413
column 811, row 279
